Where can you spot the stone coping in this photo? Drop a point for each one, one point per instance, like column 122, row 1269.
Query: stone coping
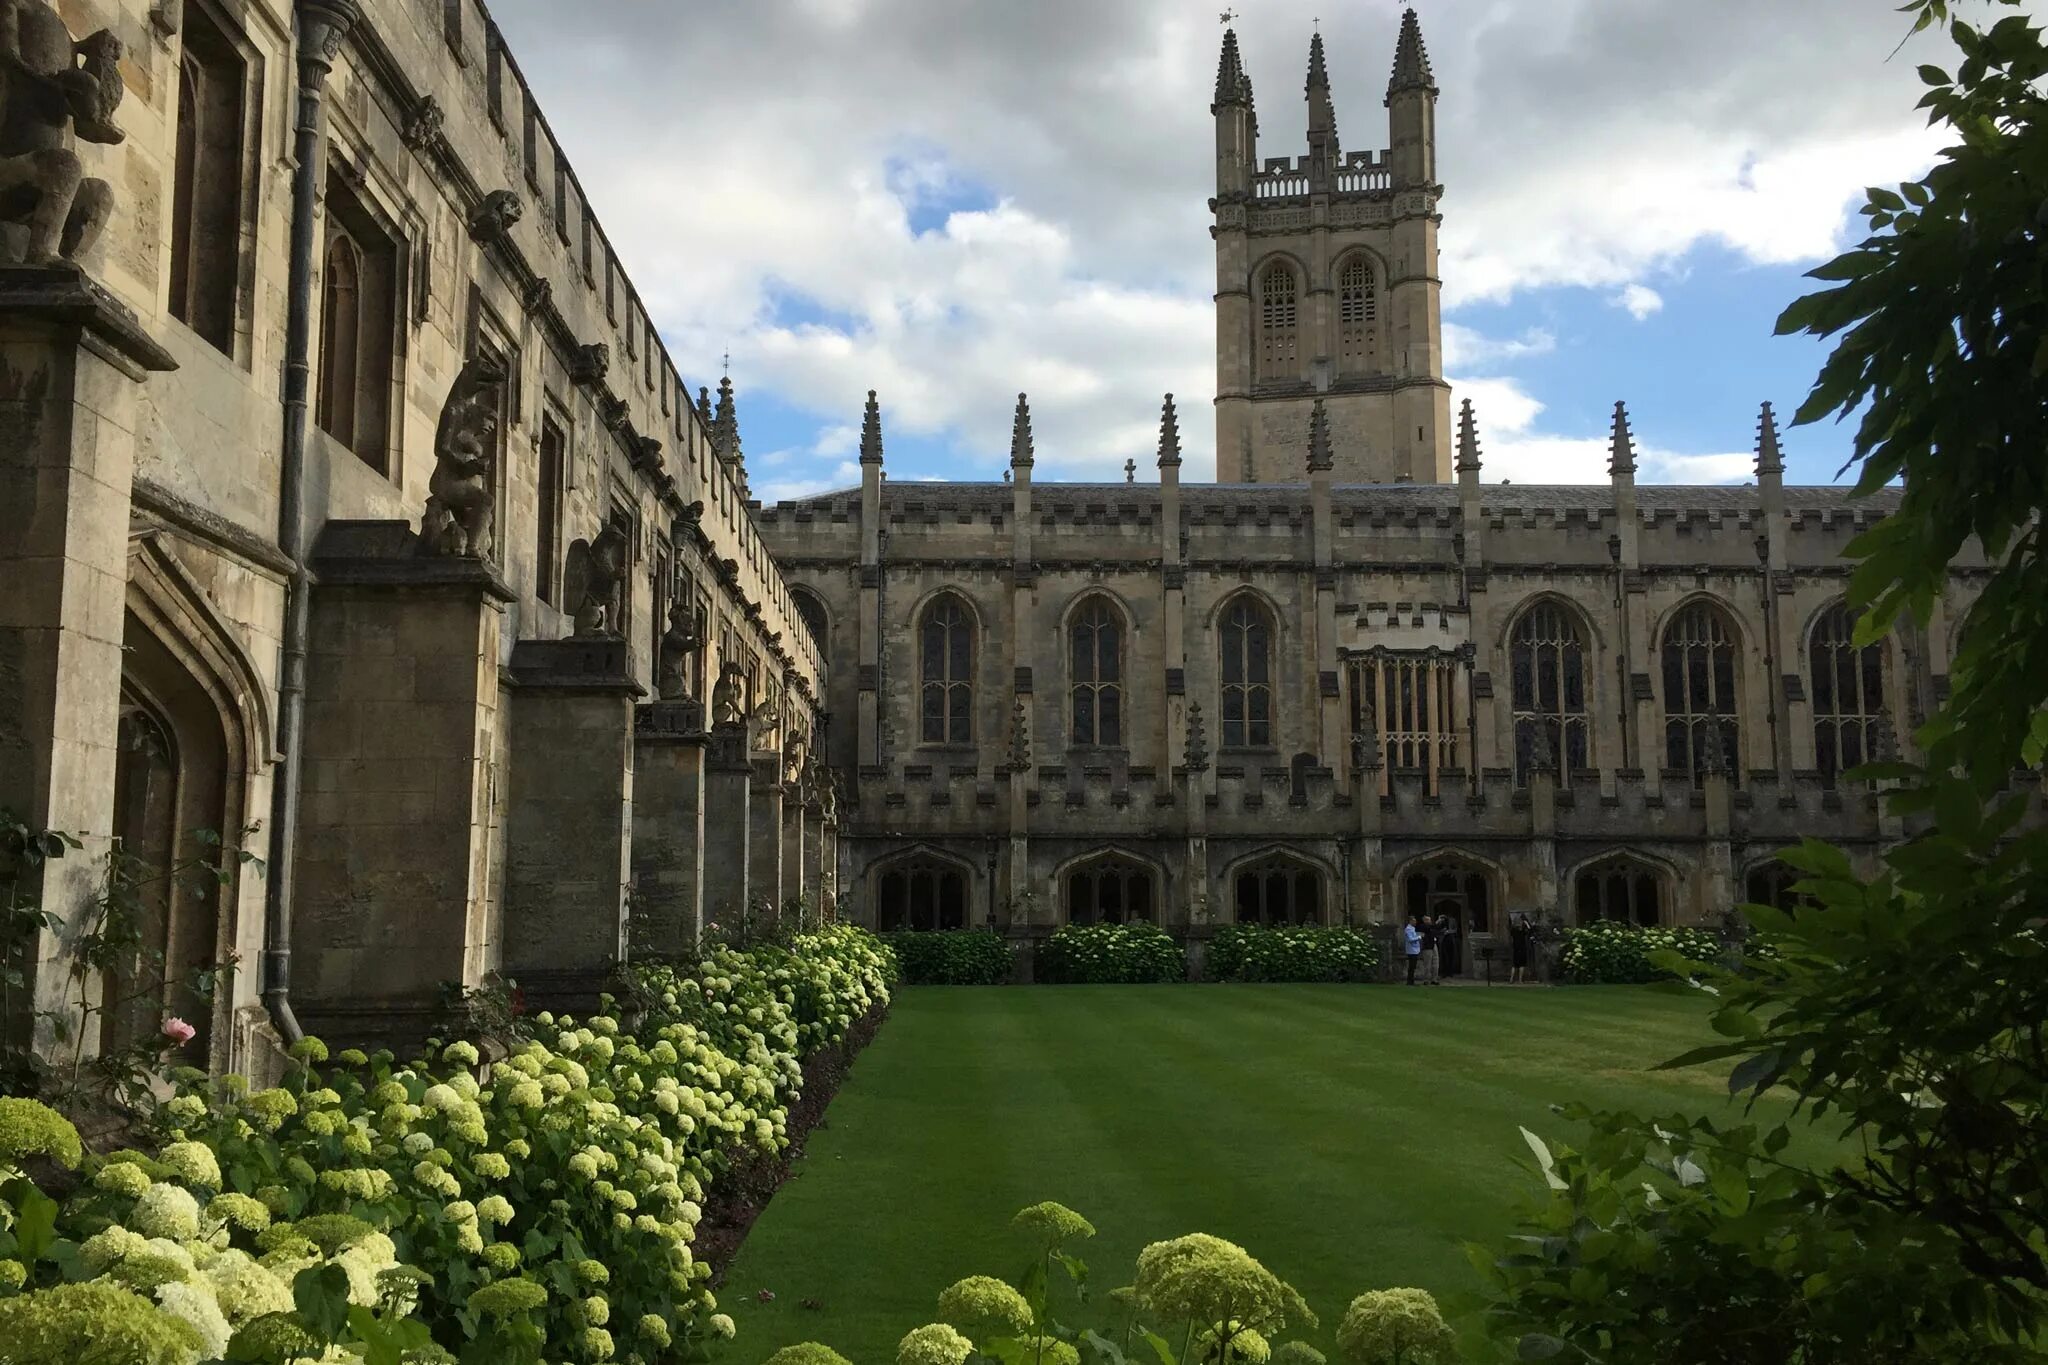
column 64, row 293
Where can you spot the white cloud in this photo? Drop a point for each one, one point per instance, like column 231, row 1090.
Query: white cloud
column 762, row 168
column 1514, row 449
column 1638, row 301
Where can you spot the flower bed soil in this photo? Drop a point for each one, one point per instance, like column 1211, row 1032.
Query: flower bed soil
column 742, row 1191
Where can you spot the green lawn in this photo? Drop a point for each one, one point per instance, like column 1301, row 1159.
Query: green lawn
column 1350, row 1137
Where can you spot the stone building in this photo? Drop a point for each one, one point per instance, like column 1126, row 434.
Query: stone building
column 1350, row 680
column 352, row 514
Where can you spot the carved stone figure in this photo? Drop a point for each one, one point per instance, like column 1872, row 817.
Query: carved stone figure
column 423, row 126
column 796, row 749
column 461, row 504
column 536, row 296
column 679, row 644
column 590, row 363
column 593, row 579
column 727, row 710
column 767, row 717
column 494, row 217
column 50, row 89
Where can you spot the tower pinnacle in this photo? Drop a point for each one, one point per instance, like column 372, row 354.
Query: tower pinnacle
column 1768, row 459
column 1411, row 60
column 1231, row 85
column 1322, row 115
column 871, row 432
column 1169, row 435
column 1468, row 440
column 1020, row 435
column 1320, row 459
column 1621, row 446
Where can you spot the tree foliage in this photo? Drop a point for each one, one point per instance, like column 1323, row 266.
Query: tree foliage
column 1905, row 1010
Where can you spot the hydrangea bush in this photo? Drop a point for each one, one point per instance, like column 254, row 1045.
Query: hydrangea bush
column 952, row 957
column 1609, row 952
column 1111, row 954
column 540, row 1206
column 1195, row 1300
column 1304, row 952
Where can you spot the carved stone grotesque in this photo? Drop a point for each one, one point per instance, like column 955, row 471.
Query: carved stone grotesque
column 494, row 217
column 423, row 126
column 728, row 711
column 461, row 504
column 590, row 363
column 680, row 643
column 796, row 751
column 536, row 296
column 594, row 577
column 52, row 89
column 766, row 721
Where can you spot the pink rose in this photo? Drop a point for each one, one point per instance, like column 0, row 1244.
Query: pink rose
column 178, row 1031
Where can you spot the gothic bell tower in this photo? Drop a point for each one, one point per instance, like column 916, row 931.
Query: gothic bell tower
column 1326, row 285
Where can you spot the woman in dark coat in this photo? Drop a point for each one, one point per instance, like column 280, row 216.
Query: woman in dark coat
column 1518, row 941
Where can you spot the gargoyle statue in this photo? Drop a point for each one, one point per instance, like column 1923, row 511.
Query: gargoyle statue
column 679, row 644
column 460, row 505
column 52, row 90
column 593, row 579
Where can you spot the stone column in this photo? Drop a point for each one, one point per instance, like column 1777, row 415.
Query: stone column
column 764, row 844
column 668, row 827
column 402, row 716
column 814, row 864
column 569, row 819
column 795, row 836
column 728, row 776
column 72, row 361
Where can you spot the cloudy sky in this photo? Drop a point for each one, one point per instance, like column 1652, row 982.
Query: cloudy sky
column 952, row 200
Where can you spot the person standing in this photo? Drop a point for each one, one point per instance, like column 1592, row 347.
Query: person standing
column 1518, row 943
column 1431, row 964
column 1411, row 944
column 1448, row 936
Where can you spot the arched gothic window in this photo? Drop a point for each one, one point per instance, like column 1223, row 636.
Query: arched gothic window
column 1095, row 638
column 921, row 893
column 1110, row 889
column 1357, row 317
column 1279, row 890
column 341, row 338
column 1246, row 642
column 1699, row 692
column 1619, row 888
column 812, row 611
column 1451, row 887
column 946, row 672
column 1771, row 883
column 1279, row 323
column 1547, row 657
column 1848, row 693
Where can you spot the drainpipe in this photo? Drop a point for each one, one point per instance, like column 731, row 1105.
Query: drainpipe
column 322, row 26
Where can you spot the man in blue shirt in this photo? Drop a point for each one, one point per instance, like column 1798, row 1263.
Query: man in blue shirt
column 1412, row 944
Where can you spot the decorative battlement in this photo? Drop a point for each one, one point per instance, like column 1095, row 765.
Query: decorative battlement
column 1281, row 177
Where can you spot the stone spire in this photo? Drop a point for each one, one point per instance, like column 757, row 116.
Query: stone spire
column 1197, row 754
column 1769, row 462
column 1411, row 60
column 1169, row 436
column 1319, row 458
column 1621, row 446
column 725, row 424
column 704, row 412
column 1322, row 114
column 1468, row 442
column 1020, row 435
column 871, row 432
column 1232, row 86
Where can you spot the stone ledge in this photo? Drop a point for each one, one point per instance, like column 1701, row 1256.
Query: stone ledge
column 65, row 294
column 388, row 554
column 594, row 663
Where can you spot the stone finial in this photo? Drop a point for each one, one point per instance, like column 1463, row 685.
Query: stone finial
column 54, row 92
column 704, row 408
column 1169, row 435
column 1768, row 459
column 1621, row 445
column 725, row 425
column 1020, row 435
column 593, row 580
column 1411, row 60
column 493, row 219
column 1468, row 440
column 1130, row 471
column 871, row 432
column 1020, row 737
column 461, row 506
column 1542, row 754
column 1322, row 114
column 1231, row 85
column 1319, row 457
column 1713, row 757
column 1318, row 71
column 1882, row 742
column 1198, row 740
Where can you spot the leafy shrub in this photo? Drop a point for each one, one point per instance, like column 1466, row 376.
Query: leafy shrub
column 1111, row 954
column 1306, row 952
column 538, row 1207
column 951, row 957
column 1612, row 953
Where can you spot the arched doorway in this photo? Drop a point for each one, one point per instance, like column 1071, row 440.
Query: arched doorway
column 1454, row 888
column 1277, row 889
column 1621, row 888
column 920, row 892
column 1110, row 888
